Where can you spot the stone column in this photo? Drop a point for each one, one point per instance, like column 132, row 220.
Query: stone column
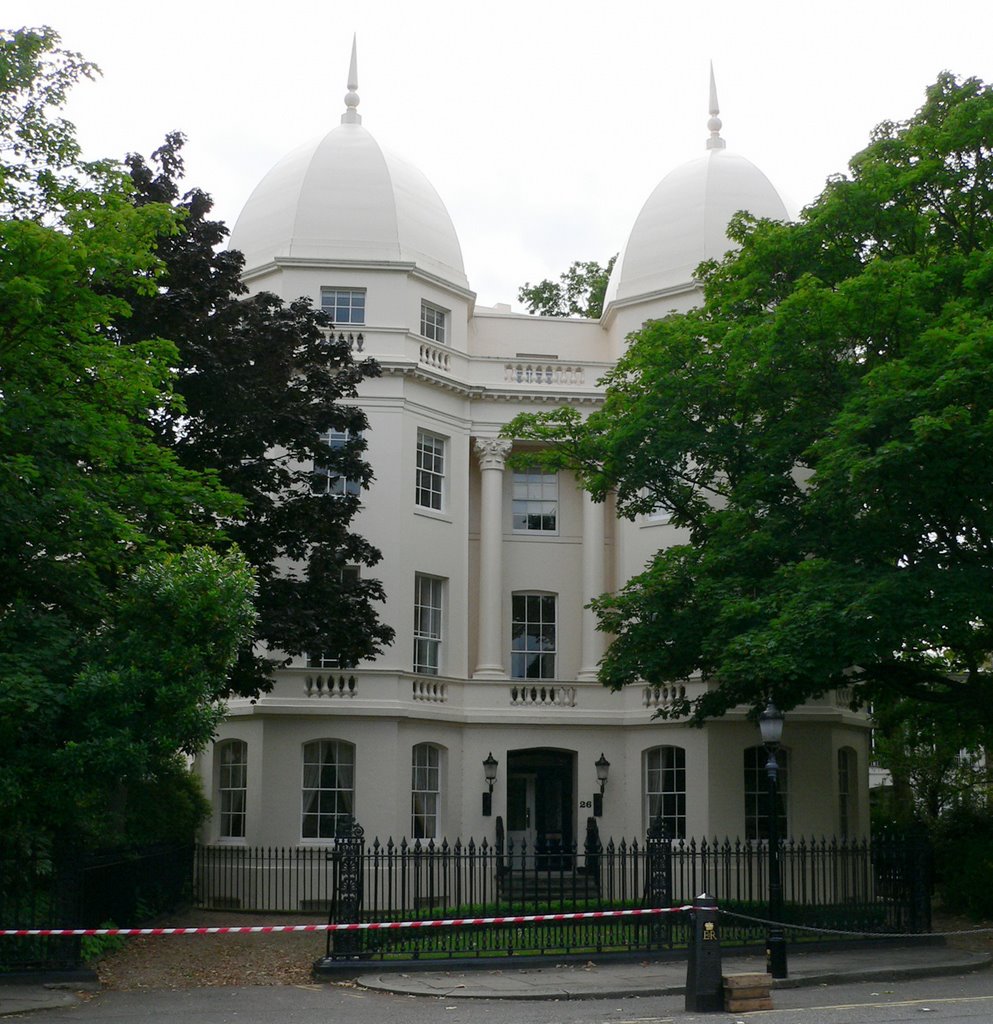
column 492, row 453
column 594, row 562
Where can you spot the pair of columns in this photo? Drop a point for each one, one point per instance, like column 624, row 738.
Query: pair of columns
column 492, row 453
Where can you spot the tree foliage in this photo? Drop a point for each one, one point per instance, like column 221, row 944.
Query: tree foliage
column 40, row 167
column 100, row 611
column 822, row 429
column 88, row 714
column 578, row 292
column 261, row 382
column 936, row 761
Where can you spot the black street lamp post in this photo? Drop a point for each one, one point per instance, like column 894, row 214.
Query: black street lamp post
column 771, row 727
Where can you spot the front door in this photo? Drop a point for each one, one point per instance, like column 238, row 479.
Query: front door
column 521, row 811
column 539, row 803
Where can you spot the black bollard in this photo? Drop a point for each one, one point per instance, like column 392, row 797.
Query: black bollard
column 704, row 980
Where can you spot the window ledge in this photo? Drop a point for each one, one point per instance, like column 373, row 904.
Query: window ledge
column 531, row 537
column 430, row 513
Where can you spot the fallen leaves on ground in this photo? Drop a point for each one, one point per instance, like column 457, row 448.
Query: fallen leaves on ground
column 197, row 961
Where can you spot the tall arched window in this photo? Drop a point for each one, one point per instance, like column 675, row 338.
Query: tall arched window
column 425, row 791
column 757, row 793
column 847, row 792
column 665, row 788
column 328, row 787
column 533, row 641
column 429, row 605
column 232, row 787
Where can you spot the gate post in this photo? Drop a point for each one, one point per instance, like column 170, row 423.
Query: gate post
column 69, row 901
column 593, row 850
column 658, row 878
column 704, row 983
column 346, row 898
column 918, row 859
column 500, row 842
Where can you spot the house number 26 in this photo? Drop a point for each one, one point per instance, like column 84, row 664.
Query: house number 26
column 585, row 803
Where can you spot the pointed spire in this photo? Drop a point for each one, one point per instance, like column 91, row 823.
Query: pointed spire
column 351, row 115
column 714, row 124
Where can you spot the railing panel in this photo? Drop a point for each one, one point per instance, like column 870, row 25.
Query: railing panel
column 850, row 885
column 68, row 888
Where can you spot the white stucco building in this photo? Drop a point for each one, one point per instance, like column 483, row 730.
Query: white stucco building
column 487, row 570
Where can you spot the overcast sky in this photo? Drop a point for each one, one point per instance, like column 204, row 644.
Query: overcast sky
column 544, row 125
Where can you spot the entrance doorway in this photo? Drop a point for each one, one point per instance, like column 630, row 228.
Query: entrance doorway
column 540, row 817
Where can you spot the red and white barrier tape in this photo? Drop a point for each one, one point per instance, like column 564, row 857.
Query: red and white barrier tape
column 265, row 929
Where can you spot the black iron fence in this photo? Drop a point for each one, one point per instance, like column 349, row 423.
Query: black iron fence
column 881, row 885
column 864, row 886
column 867, row 886
column 277, row 879
column 45, row 887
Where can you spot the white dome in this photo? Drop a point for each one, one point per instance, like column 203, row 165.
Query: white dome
column 346, row 198
column 684, row 222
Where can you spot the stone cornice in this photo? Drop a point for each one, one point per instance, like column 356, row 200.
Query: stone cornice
column 306, row 262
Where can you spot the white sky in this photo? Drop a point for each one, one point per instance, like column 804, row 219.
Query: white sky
column 544, row 125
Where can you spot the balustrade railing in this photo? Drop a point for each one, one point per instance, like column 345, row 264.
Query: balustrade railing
column 549, row 373
column 354, row 340
column 523, row 695
column 662, row 696
column 330, row 686
column 435, row 357
column 433, row 690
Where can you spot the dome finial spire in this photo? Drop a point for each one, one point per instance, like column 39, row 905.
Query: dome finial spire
column 351, row 115
column 714, row 124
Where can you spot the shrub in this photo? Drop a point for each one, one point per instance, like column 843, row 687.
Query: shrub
column 964, row 862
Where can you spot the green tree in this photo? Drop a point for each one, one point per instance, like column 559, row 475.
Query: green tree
column 87, row 716
column 822, row 429
column 262, row 383
column 578, row 292
column 92, row 507
column 40, row 167
column 936, row 761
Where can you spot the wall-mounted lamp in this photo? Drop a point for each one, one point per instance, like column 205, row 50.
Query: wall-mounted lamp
column 602, row 766
column 489, row 773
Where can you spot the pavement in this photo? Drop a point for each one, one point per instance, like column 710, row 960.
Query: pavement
column 595, row 980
